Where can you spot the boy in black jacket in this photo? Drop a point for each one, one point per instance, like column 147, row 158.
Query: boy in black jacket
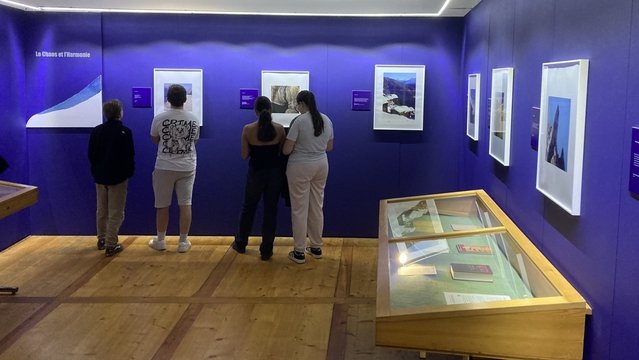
column 111, row 154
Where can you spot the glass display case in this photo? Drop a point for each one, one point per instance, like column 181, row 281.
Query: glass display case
column 455, row 275
column 15, row 197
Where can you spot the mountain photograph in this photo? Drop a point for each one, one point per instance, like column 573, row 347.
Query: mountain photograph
column 403, row 85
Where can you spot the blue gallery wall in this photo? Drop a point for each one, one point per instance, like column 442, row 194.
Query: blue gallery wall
column 58, row 162
column 340, row 55
column 596, row 251
column 13, row 139
column 625, row 317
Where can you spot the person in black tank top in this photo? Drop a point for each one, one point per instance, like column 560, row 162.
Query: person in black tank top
column 264, row 156
column 261, row 145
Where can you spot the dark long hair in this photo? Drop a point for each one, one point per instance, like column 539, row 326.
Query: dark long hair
column 308, row 99
column 265, row 128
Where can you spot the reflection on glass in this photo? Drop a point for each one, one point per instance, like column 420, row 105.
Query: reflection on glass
column 437, row 216
column 490, row 267
column 8, row 190
column 412, row 251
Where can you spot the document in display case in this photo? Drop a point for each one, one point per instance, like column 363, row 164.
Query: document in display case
column 456, row 275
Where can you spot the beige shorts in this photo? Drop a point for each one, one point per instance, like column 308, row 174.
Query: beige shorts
column 164, row 181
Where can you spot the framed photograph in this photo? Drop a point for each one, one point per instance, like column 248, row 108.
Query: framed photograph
column 191, row 79
column 282, row 87
column 399, row 97
column 561, row 132
column 472, row 106
column 500, row 114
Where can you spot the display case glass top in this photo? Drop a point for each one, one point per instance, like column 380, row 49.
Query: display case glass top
column 6, row 191
column 453, row 249
column 461, row 270
column 453, row 267
column 411, row 218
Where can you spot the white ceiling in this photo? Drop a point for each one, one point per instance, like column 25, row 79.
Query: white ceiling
column 267, row 7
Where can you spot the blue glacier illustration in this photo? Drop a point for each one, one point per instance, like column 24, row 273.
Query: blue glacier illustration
column 94, row 88
column 82, row 110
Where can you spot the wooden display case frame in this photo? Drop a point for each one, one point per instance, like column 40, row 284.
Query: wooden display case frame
column 550, row 327
column 21, row 196
column 17, row 198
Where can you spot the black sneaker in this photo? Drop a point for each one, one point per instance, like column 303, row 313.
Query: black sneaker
column 297, row 256
column 238, row 248
column 314, row 252
column 101, row 245
column 266, row 257
column 112, row 250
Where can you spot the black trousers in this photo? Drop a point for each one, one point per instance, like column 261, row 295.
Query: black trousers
column 266, row 183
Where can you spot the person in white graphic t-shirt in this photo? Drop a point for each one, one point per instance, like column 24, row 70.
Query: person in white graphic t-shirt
column 176, row 132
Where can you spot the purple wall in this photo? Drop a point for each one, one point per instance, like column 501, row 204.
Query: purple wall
column 595, row 250
column 625, row 316
column 340, row 55
column 58, row 157
column 13, row 139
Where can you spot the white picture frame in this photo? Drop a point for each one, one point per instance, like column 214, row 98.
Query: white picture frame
column 562, row 127
column 399, row 97
column 472, row 106
column 500, row 114
column 191, row 79
column 282, row 87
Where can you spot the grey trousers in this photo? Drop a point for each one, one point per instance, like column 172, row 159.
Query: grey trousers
column 111, row 200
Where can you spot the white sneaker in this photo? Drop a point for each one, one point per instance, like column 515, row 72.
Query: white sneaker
column 184, row 246
column 157, row 245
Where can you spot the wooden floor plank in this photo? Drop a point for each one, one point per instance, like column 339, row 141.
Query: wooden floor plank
column 15, row 321
column 338, row 335
column 178, row 332
column 364, row 272
column 74, row 303
column 248, row 276
column 30, row 266
column 258, row 331
column 104, row 331
column 218, row 274
column 140, row 271
column 342, row 289
column 20, row 333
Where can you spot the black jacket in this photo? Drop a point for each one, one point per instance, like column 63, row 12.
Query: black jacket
column 111, row 153
column 3, row 165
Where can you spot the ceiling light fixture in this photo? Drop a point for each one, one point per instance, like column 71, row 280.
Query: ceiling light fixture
column 18, row 5
column 25, row 7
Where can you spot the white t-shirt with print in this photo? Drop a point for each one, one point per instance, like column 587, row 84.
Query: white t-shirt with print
column 178, row 130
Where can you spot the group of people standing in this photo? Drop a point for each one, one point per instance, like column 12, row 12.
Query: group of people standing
column 278, row 162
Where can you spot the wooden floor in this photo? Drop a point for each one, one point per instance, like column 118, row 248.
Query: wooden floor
column 209, row 303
